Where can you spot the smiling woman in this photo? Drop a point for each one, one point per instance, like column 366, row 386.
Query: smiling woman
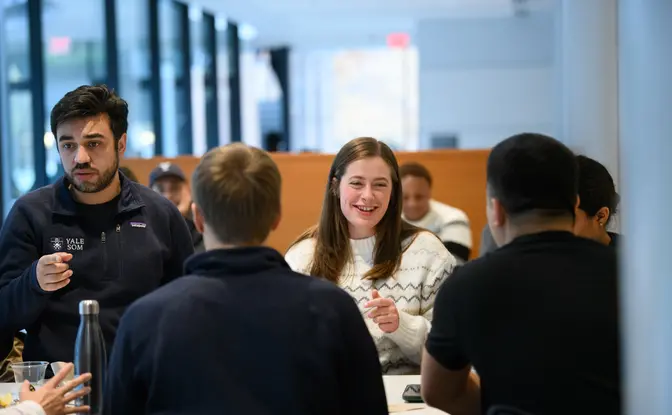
column 391, row 268
column 365, row 195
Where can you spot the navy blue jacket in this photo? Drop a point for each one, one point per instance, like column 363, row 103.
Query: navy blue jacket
column 244, row 334
column 145, row 246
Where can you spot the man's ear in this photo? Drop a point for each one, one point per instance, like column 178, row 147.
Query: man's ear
column 498, row 214
column 121, row 145
column 199, row 221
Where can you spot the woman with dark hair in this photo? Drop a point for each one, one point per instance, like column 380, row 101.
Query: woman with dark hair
column 391, row 268
column 598, row 202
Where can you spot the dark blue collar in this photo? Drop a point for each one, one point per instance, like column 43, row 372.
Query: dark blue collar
column 64, row 203
column 235, row 261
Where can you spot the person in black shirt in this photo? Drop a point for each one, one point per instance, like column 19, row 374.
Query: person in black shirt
column 537, row 318
column 92, row 235
column 243, row 333
column 598, row 201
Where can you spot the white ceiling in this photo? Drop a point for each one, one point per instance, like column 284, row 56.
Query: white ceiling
column 337, row 23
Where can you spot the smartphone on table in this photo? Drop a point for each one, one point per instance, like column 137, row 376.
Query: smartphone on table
column 412, row 394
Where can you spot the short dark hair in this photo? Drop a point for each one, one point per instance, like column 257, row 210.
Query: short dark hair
column 237, row 188
column 90, row 100
column 416, row 170
column 533, row 172
column 596, row 187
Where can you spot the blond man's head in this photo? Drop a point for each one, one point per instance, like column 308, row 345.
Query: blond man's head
column 236, row 192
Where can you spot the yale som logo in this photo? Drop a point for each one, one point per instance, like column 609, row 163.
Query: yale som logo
column 57, row 243
column 67, row 244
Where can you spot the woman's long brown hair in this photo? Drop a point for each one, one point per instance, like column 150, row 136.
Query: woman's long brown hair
column 332, row 250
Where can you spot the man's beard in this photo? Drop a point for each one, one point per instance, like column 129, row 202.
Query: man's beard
column 104, row 180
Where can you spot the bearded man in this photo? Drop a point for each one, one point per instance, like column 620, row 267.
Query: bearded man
column 91, row 235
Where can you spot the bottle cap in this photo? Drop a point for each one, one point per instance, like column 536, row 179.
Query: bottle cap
column 88, row 307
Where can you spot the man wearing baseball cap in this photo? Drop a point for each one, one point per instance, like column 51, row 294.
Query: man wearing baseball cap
column 169, row 180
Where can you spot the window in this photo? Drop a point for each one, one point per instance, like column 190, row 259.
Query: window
column 175, row 83
column 17, row 129
column 341, row 95
column 74, row 55
column 223, row 95
column 134, row 75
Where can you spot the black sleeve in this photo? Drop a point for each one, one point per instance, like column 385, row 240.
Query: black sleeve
column 360, row 373
column 21, row 298
column 182, row 246
column 443, row 341
column 124, row 393
column 458, row 250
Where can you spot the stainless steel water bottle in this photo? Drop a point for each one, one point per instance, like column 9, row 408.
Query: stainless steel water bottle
column 90, row 355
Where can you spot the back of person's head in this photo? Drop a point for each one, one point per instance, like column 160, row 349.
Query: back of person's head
column 596, row 188
column 417, row 189
column 128, row 173
column 377, row 173
column 531, row 176
column 236, row 190
column 598, row 200
column 88, row 101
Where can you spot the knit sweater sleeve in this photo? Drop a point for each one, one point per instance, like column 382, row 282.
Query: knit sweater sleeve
column 299, row 257
column 24, row 408
column 413, row 329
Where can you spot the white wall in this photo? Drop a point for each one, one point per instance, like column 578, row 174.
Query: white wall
column 587, row 80
column 486, row 79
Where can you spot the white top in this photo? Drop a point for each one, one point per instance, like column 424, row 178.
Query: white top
column 24, row 408
column 425, row 264
column 449, row 223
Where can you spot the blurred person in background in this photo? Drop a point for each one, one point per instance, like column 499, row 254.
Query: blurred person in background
column 598, row 202
column 449, row 223
column 169, row 180
column 391, row 268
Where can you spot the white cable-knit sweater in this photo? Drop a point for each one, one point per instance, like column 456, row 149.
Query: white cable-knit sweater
column 425, row 264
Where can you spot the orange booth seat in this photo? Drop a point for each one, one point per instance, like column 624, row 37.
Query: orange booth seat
column 459, row 180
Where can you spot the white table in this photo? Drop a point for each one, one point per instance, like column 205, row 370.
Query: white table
column 394, row 388
column 9, row 388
